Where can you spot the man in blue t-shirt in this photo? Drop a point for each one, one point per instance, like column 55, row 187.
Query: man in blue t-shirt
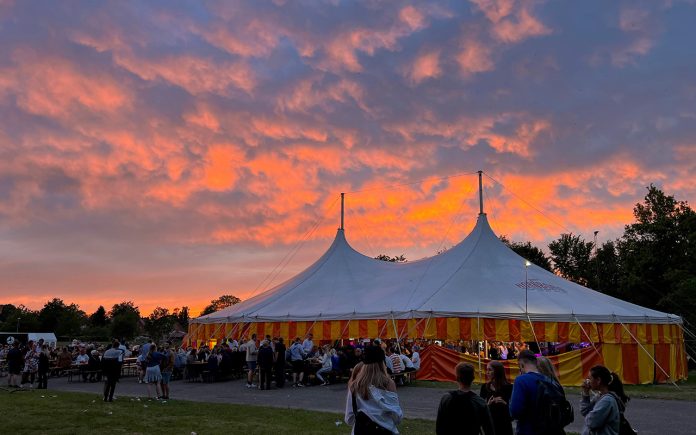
column 523, row 402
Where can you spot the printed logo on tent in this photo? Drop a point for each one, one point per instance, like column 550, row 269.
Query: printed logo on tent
column 536, row 285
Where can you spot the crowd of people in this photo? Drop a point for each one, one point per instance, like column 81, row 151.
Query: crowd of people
column 373, row 369
column 303, row 362
column 536, row 400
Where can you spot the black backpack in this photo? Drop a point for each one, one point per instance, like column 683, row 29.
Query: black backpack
column 624, row 426
column 554, row 412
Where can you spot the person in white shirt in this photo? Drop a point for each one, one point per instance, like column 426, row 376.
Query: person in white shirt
column 325, row 364
column 308, row 344
column 407, row 363
column 251, row 353
column 371, row 399
column 82, row 358
column 415, row 357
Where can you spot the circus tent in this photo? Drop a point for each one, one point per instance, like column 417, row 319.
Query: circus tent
column 477, row 290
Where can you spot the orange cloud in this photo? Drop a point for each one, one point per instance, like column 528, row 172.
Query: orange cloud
column 51, row 86
column 220, row 171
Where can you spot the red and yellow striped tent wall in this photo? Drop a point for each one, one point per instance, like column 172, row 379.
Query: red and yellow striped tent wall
column 630, row 350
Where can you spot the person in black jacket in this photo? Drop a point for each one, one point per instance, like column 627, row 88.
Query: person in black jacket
column 497, row 392
column 280, row 363
column 43, row 368
column 462, row 412
column 265, row 362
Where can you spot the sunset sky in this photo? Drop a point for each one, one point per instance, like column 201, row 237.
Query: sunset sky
column 167, row 152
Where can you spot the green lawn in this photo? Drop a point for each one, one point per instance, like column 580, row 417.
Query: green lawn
column 59, row 412
column 686, row 390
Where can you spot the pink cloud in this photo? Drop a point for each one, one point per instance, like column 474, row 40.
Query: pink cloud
column 512, row 20
column 475, row 57
column 425, row 66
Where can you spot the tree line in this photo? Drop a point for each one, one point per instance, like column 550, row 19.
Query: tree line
column 124, row 320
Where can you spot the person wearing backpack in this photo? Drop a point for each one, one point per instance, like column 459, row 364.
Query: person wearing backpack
column 463, row 412
column 538, row 403
column 603, row 413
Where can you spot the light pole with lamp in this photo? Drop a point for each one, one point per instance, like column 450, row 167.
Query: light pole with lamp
column 18, row 319
column 526, row 266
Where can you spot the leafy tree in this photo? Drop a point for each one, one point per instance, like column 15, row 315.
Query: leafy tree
column 13, row 316
column 529, row 252
column 182, row 317
column 395, row 259
column 125, row 320
column 571, row 257
column 220, row 303
column 658, row 255
column 159, row 323
column 64, row 320
column 98, row 318
column 604, row 270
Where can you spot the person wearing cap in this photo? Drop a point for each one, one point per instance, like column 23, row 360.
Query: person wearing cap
column 462, row 411
column 524, row 394
column 372, row 405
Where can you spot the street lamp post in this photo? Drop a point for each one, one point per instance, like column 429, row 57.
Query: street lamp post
column 526, row 266
column 18, row 319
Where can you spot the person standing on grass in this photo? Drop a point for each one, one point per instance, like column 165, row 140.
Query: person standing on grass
column 251, row 357
column 43, row 368
column 153, row 374
column 167, row 367
column 462, row 411
column 111, row 369
column 496, row 391
column 372, row 405
column 15, row 361
column 31, row 364
column 280, row 363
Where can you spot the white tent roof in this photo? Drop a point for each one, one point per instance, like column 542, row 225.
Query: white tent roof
column 479, row 277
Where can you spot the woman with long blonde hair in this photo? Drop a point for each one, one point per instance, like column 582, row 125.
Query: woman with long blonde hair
column 372, row 405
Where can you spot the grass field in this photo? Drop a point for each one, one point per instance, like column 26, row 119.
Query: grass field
column 48, row 411
column 686, row 390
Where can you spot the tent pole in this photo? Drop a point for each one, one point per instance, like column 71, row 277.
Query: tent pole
column 478, row 337
column 588, row 337
column 345, row 328
column 427, row 322
column 396, row 334
column 648, row 353
column 383, row 330
column 531, row 325
column 342, row 203
column 415, row 326
column 480, row 174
